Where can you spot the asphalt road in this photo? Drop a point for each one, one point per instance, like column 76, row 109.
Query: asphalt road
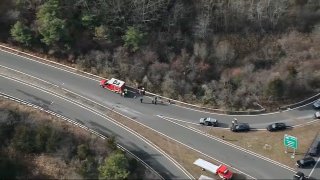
column 132, row 143
column 147, row 114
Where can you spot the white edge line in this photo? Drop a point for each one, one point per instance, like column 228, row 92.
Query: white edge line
column 299, row 125
column 146, row 126
column 241, row 115
column 68, row 67
column 314, row 167
column 108, row 118
column 232, row 145
column 86, row 128
column 52, row 65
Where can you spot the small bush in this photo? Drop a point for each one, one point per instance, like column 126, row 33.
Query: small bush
column 111, row 143
column 275, row 88
column 6, row 131
column 115, row 167
column 83, row 151
column 41, row 138
column 53, row 141
column 23, row 139
column 10, row 169
column 88, row 169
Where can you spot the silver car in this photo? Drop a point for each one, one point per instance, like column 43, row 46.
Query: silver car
column 208, row 121
column 316, row 104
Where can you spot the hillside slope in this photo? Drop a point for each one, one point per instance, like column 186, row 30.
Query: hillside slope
column 220, row 53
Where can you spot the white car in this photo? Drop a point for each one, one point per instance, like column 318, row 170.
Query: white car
column 208, row 121
column 317, row 115
column 316, row 104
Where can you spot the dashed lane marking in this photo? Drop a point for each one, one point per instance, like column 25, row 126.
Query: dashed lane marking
column 109, row 119
column 230, row 144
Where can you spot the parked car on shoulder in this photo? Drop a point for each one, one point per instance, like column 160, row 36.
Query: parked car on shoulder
column 299, row 176
column 314, row 149
column 208, row 121
column 306, row 162
column 316, row 104
column 317, row 115
column 240, row 127
column 276, row 127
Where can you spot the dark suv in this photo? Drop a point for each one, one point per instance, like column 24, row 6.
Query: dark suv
column 241, row 127
column 314, row 149
column 276, row 127
column 299, row 176
column 306, row 162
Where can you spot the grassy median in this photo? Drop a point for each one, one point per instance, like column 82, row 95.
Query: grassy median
column 270, row 144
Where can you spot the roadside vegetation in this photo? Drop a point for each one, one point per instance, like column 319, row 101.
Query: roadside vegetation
column 37, row 146
column 223, row 54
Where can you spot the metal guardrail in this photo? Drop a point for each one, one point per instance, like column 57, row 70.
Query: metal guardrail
column 81, row 126
column 308, row 100
column 252, row 112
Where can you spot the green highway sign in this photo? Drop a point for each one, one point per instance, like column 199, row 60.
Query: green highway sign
column 290, row 141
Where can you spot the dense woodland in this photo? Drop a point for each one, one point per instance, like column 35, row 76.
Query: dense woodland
column 220, row 53
column 36, row 146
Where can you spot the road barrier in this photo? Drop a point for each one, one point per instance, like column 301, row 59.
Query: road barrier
column 173, row 101
column 301, row 103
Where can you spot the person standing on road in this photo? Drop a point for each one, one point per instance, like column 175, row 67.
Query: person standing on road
column 143, row 92
column 155, row 100
column 141, row 99
column 235, row 120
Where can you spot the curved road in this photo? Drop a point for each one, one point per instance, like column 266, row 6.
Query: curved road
column 247, row 162
column 94, row 121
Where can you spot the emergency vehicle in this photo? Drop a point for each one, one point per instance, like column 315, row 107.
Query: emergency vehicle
column 222, row 171
column 113, row 84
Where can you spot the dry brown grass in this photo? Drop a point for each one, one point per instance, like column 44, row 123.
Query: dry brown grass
column 53, row 167
column 182, row 154
column 270, row 144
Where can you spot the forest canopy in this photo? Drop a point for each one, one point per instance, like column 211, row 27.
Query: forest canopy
column 220, row 53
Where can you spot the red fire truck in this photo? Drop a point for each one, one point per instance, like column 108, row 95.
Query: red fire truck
column 113, row 85
column 222, row 171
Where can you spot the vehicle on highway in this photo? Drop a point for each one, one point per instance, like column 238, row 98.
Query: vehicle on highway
column 299, row 176
column 240, row 127
column 276, row 127
column 314, row 149
column 113, row 84
column 222, row 171
column 316, row 104
column 317, row 115
column 208, row 121
column 305, row 162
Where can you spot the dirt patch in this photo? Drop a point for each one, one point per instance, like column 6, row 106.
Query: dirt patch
column 270, row 144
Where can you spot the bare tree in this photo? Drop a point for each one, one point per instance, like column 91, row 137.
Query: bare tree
column 225, row 52
column 267, row 11
column 204, row 16
column 148, row 10
column 178, row 11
